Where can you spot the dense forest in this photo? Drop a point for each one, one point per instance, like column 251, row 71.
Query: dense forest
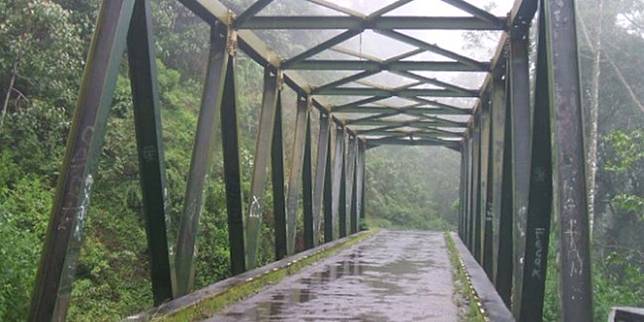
column 43, row 45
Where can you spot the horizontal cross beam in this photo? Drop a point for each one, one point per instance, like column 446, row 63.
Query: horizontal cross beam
column 361, row 65
column 413, row 123
column 417, row 110
column 421, row 142
column 377, row 92
column 421, row 134
column 356, row 23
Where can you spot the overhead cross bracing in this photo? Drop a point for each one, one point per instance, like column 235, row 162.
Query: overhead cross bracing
column 427, row 118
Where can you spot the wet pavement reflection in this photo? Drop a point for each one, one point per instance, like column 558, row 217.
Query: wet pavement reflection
column 393, row 276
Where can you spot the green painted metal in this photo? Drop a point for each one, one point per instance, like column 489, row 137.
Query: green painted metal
column 414, row 123
column 415, row 110
column 277, row 175
column 320, row 47
column 53, row 284
column 461, row 194
column 249, row 13
column 363, row 180
column 476, row 203
column 486, row 219
column 470, row 201
column 411, row 92
column 350, row 164
column 496, row 170
column 362, row 65
column 395, row 66
column 356, row 23
column 295, row 172
column 540, row 198
column 415, row 142
column 342, row 201
column 320, row 173
column 338, row 172
column 470, row 188
column 307, row 190
column 570, row 202
column 232, row 171
column 437, row 82
column 201, row 159
column 477, row 12
column 358, row 187
column 147, row 124
column 345, row 80
column 257, row 203
column 353, row 217
column 328, row 191
column 503, row 279
column 521, row 141
column 432, row 48
column 426, row 133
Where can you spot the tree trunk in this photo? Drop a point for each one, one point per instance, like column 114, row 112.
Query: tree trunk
column 12, row 81
column 594, row 114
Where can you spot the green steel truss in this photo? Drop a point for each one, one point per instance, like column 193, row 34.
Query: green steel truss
column 521, row 160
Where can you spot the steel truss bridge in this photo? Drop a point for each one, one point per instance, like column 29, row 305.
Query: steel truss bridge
column 522, row 156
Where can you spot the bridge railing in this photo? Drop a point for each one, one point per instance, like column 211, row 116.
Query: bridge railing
column 523, row 166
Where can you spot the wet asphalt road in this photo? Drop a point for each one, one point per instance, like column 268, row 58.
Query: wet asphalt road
column 393, row 276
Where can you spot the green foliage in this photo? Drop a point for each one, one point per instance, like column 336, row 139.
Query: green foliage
column 417, row 189
column 24, row 210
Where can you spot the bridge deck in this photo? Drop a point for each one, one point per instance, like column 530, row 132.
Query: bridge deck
column 393, row 276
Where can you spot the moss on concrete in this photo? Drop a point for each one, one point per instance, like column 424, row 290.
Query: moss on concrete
column 217, row 302
column 470, row 308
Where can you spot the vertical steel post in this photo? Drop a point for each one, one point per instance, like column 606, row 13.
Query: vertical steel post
column 353, row 215
column 342, row 213
column 147, row 124
column 360, row 167
column 468, row 188
column 277, row 175
column 350, row 165
column 520, row 105
column 320, row 173
column 295, row 172
column 328, row 193
column 201, row 158
column 263, row 151
column 338, row 166
column 488, row 228
column 52, row 290
column 505, row 262
column 496, row 169
column 232, row 171
column 461, row 192
column 485, row 154
column 476, row 195
column 307, row 189
column 540, row 197
column 568, row 157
